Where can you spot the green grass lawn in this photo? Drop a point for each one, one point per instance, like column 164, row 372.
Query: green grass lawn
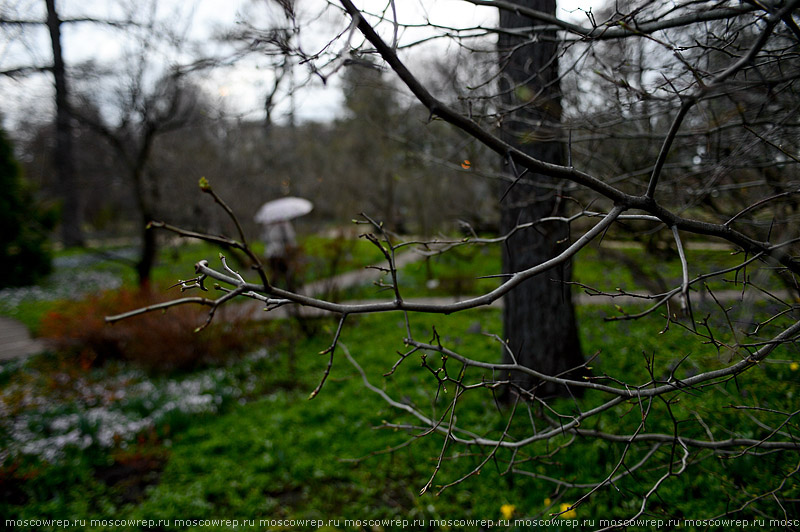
column 274, row 454
column 465, row 270
column 242, row 440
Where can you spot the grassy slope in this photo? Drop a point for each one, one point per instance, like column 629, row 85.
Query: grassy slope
column 282, row 455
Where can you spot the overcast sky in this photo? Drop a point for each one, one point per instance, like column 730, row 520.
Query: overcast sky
column 239, row 89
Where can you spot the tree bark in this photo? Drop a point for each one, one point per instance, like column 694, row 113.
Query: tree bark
column 147, row 258
column 538, row 317
column 146, row 199
column 72, row 233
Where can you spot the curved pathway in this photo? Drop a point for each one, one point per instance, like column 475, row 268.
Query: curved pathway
column 16, row 341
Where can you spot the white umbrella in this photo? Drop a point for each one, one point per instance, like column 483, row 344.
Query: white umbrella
column 281, row 210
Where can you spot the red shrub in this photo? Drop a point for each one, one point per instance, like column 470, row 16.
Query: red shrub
column 160, row 340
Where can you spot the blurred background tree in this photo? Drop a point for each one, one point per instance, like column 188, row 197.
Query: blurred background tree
column 24, row 225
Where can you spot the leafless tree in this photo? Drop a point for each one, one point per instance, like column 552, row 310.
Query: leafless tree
column 694, row 138
column 63, row 153
column 145, row 114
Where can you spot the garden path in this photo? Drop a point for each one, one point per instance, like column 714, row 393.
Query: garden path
column 582, row 299
column 356, row 277
column 16, row 341
column 366, row 275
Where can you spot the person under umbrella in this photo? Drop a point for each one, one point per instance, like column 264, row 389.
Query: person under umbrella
column 279, row 235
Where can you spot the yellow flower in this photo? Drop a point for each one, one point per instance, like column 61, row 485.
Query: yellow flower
column 794, row 366
column 507, row 510
column 571, row 514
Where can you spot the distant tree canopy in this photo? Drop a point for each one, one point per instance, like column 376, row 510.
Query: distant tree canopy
column 24, row 226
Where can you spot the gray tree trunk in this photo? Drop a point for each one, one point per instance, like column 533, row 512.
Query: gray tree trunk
column 538, row 317
column 72, row 234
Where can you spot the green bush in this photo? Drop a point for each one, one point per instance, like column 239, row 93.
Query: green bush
column 24, row 226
